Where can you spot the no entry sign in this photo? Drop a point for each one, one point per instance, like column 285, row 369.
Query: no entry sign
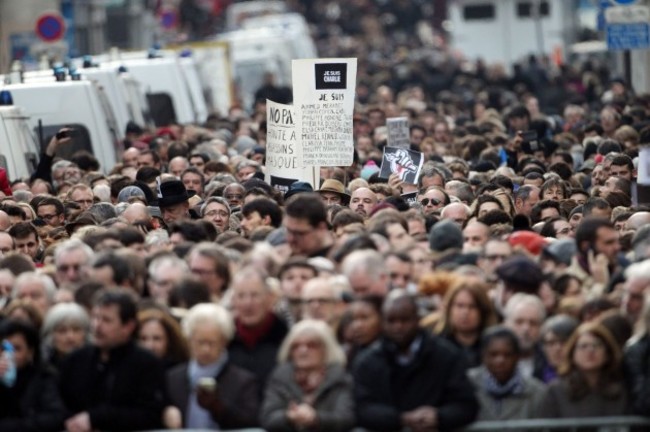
column 50, row 27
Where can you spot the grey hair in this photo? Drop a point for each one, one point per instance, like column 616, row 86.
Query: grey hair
column 102, row 211
column 209, row 313
column 72, row 245
column 638, row 271
column 641, row 243
column 170, row 260
column 366, row 261
column 334, row 355
column 157, row 237
column 216, row 199
column 29, row 277
column 63, row 313
column 521, row 299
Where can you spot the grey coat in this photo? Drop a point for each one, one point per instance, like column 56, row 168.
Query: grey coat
column 514, row 407
column 334, row 402
column 558, row 404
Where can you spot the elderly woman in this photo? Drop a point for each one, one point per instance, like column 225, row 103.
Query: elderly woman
column 309, row 389
column 504, row 393
column 66, row 328
column 590, row 383
column 209, row 391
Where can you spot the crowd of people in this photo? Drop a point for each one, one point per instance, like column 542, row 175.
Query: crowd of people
column 179, row 289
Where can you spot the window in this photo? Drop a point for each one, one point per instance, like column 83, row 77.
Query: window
column 526, row 9
column 483, row 11
column 161, row 108
column 80, row 139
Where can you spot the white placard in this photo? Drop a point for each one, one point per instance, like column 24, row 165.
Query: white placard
column 323, row 96
column 398, row 132
column 283, row 151
column 643, row 169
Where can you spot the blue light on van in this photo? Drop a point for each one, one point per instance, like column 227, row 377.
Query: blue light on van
column 186, row 53
column 5, row 98
column 122, row 69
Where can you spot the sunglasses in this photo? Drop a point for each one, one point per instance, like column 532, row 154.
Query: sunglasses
column 433, row 201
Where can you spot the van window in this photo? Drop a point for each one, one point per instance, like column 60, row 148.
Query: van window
column 483, row 11
column 161, row 109
column 526, row 9
column 80, row 141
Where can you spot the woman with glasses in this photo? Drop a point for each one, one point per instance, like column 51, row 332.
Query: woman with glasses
column 217, row 211
column 309, row 389
column 555, row 334
column 210, row 391
column 590, row 382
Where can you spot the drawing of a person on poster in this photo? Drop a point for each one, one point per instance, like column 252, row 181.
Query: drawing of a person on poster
column 407, row 164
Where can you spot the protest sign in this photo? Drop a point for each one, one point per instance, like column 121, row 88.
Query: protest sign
column 323, row 96
column 407, row 164
column 398, row 132
column 283, row 151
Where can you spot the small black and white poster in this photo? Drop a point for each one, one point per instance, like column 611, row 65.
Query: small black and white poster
column 411, row 197
column 331, row 76
column 398, row 132
column 407, row 164
column 281, row 184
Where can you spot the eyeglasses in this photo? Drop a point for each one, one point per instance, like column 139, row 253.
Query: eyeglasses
column 64, row 268
column 433, row 201
column 311, row 344
column 591, row 346
column 213, row 213
column 85, row 202
column 318, row 300
column 495, row 257
column 234, row 196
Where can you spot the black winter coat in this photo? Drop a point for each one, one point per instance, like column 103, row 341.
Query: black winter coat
column 436, row 377
column 33, row 404
column 124, row 394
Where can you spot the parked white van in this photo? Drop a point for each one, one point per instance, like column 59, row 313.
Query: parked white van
column 19, row 151
column 80, row 105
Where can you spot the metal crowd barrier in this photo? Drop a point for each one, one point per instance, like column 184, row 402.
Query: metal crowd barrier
column 600, row 424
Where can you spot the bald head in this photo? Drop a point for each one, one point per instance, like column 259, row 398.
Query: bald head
column 475, row 235
column 362, row 201
column 457, row 212
column 637, row 220
column 5, row 222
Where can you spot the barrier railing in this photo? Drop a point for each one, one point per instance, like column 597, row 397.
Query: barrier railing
column 600, row 424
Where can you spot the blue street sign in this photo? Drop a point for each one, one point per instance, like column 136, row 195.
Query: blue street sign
column 628, row 36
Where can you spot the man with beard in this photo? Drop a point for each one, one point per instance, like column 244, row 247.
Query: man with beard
column 362, row 202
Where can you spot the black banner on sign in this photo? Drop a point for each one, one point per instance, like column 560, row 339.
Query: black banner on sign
column 281, row 184
column 331, row 76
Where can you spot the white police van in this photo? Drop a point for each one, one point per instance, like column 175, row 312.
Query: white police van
column 19, row 151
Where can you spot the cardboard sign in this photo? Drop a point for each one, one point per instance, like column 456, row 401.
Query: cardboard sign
column 407, row 164
column 411, row 198
column 398, row 132
column 283, row 151
column 323, row 96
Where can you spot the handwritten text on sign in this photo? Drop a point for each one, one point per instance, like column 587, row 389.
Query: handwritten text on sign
column 324, row 109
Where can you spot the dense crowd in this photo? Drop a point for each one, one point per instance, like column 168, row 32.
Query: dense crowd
column 178, row 289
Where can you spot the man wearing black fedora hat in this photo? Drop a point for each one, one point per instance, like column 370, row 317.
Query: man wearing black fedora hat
column 173, row 201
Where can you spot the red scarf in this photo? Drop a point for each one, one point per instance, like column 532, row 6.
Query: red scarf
column 250, row 336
